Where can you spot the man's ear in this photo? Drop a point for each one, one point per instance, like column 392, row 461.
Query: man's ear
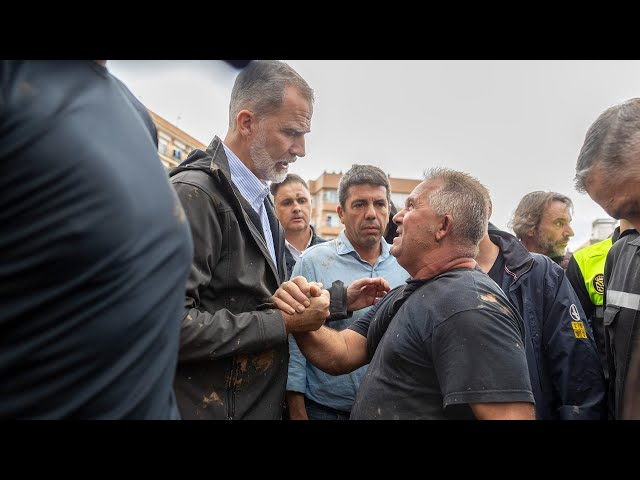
column 340, row 212
column 444, row 228
column 245, row 120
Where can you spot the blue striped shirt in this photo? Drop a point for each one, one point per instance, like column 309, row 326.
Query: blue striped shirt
column 254, row 191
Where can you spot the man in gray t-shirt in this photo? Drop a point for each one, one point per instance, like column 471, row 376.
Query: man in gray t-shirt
column 447, row 344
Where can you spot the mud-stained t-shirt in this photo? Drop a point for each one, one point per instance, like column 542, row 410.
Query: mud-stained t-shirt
column 94, row 249
column 453, row 340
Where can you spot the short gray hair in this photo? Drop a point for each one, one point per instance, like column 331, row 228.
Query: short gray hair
column 529, row 212
column 467, row 201
column 260, row 87
column 612, row 142
column 362, row 175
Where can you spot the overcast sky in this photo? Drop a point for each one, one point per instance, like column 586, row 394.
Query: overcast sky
column 516, row 125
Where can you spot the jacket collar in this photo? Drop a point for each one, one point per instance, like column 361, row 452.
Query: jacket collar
column 516, row 257
column 212, row 159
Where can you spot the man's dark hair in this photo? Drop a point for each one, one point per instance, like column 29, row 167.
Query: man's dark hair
column 392, row 229
column 362, row 175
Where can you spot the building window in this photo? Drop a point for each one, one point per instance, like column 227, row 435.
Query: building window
column 330, row 196
column 333, row 220
column 162, row 146
column 177, row 154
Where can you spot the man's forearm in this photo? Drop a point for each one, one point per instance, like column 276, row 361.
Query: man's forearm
column 296, row 406
column 328, row 350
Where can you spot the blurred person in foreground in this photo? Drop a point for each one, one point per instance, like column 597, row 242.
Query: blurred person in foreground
column 608, row 169
column 95, row 249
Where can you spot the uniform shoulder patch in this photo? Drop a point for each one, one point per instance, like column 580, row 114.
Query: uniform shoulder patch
column 598, row 283
column 577, row 325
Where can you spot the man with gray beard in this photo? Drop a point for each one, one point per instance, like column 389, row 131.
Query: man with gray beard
column 234, row 352
column 233, row 348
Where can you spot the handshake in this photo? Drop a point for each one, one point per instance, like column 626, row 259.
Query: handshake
column 306, row 305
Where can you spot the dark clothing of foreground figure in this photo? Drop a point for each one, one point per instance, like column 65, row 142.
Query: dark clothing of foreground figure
column 94, row 249
column 437, row 345
column 236, row 368
column 622, row 312
column 586, row 274
column 564, row 365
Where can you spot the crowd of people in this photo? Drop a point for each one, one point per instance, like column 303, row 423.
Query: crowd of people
column 206, row 293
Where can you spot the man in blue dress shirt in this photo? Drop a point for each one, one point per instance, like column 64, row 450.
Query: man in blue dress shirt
column 359, row 251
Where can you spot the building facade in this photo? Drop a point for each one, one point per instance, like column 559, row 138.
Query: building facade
column 602, row 228
column 173, row 144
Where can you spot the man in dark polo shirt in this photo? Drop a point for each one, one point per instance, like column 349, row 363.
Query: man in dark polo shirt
column 447, row 344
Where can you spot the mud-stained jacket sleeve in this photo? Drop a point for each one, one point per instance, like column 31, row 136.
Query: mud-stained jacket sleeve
column 219, row 333
column 573, row 357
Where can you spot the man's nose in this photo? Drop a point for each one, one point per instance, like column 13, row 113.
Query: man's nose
column 568, row 231
column 371, row 212
column 298, row 147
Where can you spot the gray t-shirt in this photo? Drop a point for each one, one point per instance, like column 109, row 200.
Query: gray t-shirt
column 440, row 344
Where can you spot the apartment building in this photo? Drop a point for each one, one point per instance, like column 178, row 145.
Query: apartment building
column 173, row 144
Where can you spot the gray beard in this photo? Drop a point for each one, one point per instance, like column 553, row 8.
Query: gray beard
column 265, row 165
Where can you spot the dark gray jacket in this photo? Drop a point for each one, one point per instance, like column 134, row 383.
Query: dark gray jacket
column 233, row 347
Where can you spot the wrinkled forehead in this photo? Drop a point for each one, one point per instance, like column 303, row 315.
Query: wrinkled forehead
column 425, row 188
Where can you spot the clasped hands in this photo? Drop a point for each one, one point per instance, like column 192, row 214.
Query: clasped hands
column 305, row 305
